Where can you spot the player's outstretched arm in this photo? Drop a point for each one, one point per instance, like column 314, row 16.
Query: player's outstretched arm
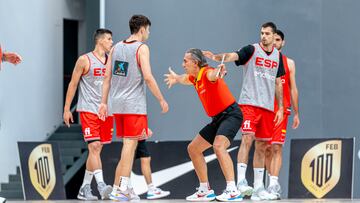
column 229, row 57
column 172, row 78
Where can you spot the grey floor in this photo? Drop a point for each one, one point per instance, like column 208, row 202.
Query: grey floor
column 180, row 200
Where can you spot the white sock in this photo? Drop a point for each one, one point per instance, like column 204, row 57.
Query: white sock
column 115, row 188
column 124, row 182
column 241, row 171
column 151, row 187
column 129, row 184
column 230, row 185
column 258, row 177
column 98, row 173
column 204, row 186
column 273, row 180
column 87, row 178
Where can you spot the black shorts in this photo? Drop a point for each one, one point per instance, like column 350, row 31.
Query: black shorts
column 226, row 123
column 141, row 150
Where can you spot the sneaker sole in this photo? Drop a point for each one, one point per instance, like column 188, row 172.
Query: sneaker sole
column 201, row 200
column 83, row 198
column 118, row 198
column 230, row 200
column 158, row 196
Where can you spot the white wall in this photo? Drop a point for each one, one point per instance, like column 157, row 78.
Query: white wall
column 31, row 93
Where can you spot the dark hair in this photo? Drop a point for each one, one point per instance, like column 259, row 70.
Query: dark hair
column 138, row 21
column 99, row 33
column 198, row 56
column 281, row 34
column 269, row 24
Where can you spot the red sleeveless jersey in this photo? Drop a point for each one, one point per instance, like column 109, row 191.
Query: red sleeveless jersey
column 215, row 96
column 285, row 80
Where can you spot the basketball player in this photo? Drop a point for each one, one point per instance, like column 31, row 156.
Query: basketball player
column 89, row 75
column 274, row 151
column 128, row 70
column 219, row 104
column 263, row 68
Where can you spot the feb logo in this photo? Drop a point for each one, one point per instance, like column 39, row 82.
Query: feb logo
column 42, row 170
column 321, row 167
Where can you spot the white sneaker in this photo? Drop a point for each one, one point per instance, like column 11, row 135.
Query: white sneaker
column 86, row 194
column 104, row 190
column 261, row 194
column 275, row 190
column 230, row 196
column 157, row 193
column 2, row 200
column 119, row 196
column 200, row 195
column 133, row 196
column 244, row 188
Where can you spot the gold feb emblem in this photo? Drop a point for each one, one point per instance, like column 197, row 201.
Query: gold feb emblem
column 321, row 167
column 42, row 170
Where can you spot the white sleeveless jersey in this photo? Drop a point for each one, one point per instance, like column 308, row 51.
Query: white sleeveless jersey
column 90, row 87
column 258, row 88
column 128, row 90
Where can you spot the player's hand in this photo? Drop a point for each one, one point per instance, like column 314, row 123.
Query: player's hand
column 296, row 121
column 164, row 106
column 209, row 54
column 171, row 78
column 103, row 111
column 12, row 57
column 150, row 132
column 279, row 116
column 68, row 117
column 222, row 70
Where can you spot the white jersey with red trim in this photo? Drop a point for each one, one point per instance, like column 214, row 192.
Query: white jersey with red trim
column 128, row 89
column 90, row 87
column 258, row 88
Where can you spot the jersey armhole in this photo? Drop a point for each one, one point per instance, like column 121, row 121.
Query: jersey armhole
column 89, row 66
column 250, row 56
column 138, row 57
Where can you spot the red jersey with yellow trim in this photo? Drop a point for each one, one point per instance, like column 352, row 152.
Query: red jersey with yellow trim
column 285, row 80
column 214, row 96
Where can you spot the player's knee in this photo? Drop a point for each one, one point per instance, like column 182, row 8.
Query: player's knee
column 246, row 141
column 260, row 147
column 145, row 160
column 95, row 147
column 277, row 149
column 191, row 148
column 219, row 148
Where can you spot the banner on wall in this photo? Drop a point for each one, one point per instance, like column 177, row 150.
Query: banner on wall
column 41, row 171
column 321, row 168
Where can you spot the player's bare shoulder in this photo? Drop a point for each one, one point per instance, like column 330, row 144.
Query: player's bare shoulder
column 291, row 63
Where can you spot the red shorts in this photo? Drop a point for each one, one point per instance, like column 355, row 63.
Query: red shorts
column 258, row 121
column 280, row 131
column 132, row 126
column 95, row 129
